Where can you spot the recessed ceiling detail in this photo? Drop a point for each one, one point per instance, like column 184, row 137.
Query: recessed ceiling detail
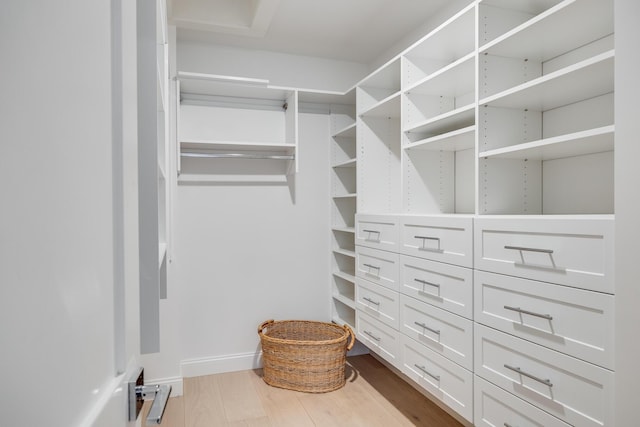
column 239, row 17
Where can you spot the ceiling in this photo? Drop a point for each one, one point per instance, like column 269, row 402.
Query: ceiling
column 353, row 30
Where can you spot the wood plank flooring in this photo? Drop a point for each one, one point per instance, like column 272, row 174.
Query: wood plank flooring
column 373, row 396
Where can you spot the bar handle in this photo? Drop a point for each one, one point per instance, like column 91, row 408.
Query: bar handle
column 424, row 282
column 427, row 238
column 422, row 325
column 423, row 369
column 375, row 267
column 371, row 231
column 525, row 249
column 526, row 374
column 531, row 313
column 372, row 336
column 371, row 301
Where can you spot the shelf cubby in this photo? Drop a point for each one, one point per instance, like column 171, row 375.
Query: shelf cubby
column 443, row 46
column 378, row 89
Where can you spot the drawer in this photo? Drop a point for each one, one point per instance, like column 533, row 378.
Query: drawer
column 447, row 381
column 378, row 337
column 570, row 320
column 377, row 231
column 378, row 302
column 575, row 391
column 444, row 285
column 445, row 333
column 575, row 252
column 380, row 267
column 495, row 407
column 438, row 238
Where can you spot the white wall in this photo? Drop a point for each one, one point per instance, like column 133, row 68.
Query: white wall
column 242, row 254
column 280, row 69
column 627, row 208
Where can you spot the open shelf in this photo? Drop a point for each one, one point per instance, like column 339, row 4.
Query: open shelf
column 347, row 132
column 346, row 276
column 443, row 46
column 345, row 252
column 585, row 79
column 388, row 107
column 452, row 120
column 575, row 144
column 345, row 300
column 559, row 29
column 456, row 140
column 455, row 79
column 351, row 163
column 350, row 230
column 345, row 196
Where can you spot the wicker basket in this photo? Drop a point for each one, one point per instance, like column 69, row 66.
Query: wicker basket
column 304, row 355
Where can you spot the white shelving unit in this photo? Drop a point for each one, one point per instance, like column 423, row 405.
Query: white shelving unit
column 499, row 122
column 344, row 194
column 438, row 119
column 215, row 143
column 378, row 100
column 153, row 165
column 546, row 106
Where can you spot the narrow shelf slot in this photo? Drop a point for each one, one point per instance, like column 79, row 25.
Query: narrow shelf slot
column 350, row 230
column 351, row 163
column 345, row 252
column 345, row 300
column 346, row 276
column 345, row 196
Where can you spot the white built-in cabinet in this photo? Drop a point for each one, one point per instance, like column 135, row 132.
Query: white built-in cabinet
column 484, row 225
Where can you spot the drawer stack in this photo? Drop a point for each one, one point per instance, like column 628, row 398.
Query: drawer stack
column 543, row 307
column 414, row 300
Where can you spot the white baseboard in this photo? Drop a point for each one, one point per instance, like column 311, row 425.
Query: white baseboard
column 174, row 382
column 220, row 364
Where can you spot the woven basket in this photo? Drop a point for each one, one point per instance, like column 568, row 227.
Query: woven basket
column 304, row 355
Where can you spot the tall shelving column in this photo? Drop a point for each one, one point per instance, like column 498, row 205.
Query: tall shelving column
column 343, row 209
column 154, row 195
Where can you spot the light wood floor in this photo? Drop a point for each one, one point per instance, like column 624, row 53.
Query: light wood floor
column 373, row 396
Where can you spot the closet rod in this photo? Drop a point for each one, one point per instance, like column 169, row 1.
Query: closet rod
column 238, row 156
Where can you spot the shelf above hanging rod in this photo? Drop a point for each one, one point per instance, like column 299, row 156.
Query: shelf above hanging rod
column 237, row 156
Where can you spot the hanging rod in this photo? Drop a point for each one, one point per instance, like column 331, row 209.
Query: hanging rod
column 237, row 156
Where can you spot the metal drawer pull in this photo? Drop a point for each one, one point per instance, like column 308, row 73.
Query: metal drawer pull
column 531, row 313
column 371, row 301
column 422, row 325
column 427, row 238
column 371, row 231
column 424, row 282
column 372, row 266
column 522, row 248
column 372, row 336
column 526, row 374
column 423, row 369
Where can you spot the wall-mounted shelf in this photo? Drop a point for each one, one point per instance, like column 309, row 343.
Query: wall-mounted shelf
column 351, row 163
column 388, row 107
column 456, row 140
column 545, row 36
column 213, row 112
column 450, row 121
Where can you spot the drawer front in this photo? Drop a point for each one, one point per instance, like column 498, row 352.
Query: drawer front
column 570, row 320
column 380, row 267
column 445, row 333
column 449, row 382
column 443, row 285
column 575, row 391
column 378, row 302
column 444, row 239
column 495, row 407
column 378, row 337
column 573, row 252
column 377, row 231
